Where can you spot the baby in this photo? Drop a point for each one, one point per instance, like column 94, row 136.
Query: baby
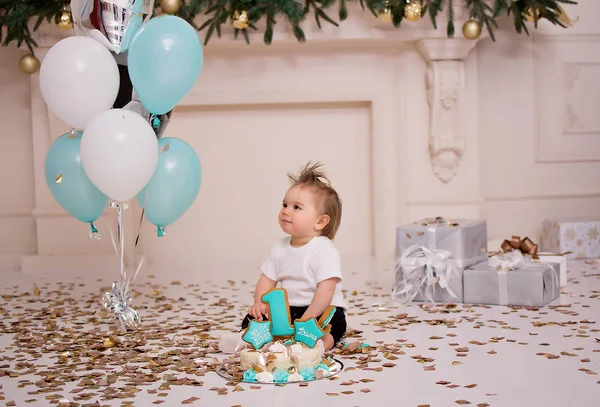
column 305, row 262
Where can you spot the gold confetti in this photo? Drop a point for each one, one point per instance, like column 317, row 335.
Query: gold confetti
column 462, row 402
column 548, row 355
column 108, row 343
column 36, row 290
column 165, row 148
column 58, row 179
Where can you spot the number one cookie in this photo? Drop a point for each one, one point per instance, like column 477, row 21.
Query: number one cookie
column 279, row 312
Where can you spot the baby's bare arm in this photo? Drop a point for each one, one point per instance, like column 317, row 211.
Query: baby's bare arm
column 259, row 308
column 322, row 298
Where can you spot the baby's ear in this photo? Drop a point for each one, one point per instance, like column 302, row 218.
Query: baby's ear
column 322, row 221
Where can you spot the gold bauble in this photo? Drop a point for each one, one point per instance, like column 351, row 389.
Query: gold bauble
column 170, row 6
column 64, row 20
column 240, row 20
column 529, row 14
column 386, row 13
column 412, row 11
column 564, row 18
column 471, row 29
column 29, row 64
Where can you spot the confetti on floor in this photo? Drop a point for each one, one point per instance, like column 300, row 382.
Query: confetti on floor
column 60, row 348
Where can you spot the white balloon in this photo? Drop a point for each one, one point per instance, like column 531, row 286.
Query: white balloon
column 119, row 153
column 79, row 79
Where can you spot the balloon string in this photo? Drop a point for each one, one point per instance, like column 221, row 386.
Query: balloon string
column 139, row 234
column 122, row 240
column 119, row 244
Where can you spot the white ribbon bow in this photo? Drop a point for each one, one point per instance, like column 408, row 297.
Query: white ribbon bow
column 421, row 269
column 507, row 261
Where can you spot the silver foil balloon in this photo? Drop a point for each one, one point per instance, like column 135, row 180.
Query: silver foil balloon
column 158, row 122
column 113, row 23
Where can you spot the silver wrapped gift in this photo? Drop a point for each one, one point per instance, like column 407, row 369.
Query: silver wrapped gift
column 431, row 256
column 507, row 279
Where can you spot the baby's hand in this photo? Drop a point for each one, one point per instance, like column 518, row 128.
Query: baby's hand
column 257, row 310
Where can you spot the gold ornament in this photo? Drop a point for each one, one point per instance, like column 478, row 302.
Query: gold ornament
column 240, row 20
column 29, row 64
column 471, row 29
column 529, row 14
column 412, row 11
column 64, row 20
column 564, row 18
column 170, row 6
column 386, row 13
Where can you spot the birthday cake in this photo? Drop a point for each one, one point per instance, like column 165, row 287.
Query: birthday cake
column 282, row 352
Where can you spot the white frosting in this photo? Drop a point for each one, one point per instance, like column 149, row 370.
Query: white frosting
column 295, row 377
column 277, row 347
column 308, row 358
column 296, row 349
column 264, row 377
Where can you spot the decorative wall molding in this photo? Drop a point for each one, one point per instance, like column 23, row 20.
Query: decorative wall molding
column 580, row 79
column 445, row 81
column 445, row 89
column 568, row 126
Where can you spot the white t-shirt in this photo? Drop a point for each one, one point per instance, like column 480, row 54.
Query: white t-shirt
column 300, row 269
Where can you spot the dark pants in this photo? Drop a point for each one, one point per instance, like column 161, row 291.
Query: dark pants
column 337, row 322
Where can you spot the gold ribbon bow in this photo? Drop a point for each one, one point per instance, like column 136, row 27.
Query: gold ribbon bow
column 526, row 246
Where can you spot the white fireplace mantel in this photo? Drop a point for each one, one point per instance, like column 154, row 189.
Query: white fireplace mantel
column 444, row 83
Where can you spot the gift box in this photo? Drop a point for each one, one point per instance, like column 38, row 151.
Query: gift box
column 526, row 282
column 561, row 260
column 431, row 256
column 526, row 246
column 581, row 237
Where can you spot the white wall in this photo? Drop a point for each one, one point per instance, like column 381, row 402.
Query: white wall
column 533, row 166
column 17, row 226
column 361, row 106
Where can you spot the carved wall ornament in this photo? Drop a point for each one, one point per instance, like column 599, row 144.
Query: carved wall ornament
column 445, row 86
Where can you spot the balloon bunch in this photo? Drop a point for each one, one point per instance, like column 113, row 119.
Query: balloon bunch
column 119, row 112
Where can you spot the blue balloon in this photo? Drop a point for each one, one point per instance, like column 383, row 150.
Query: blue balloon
column 68, row 182
column 174, row 185
column 165, row 59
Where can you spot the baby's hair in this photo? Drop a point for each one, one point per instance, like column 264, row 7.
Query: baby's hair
column 328, row 200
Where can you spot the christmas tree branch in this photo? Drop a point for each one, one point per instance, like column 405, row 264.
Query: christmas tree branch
column 19, row 18
column 15, row 16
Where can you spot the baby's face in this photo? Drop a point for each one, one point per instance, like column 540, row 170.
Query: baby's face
column 298, row 215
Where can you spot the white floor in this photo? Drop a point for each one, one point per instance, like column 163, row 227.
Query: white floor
column 56, row 348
